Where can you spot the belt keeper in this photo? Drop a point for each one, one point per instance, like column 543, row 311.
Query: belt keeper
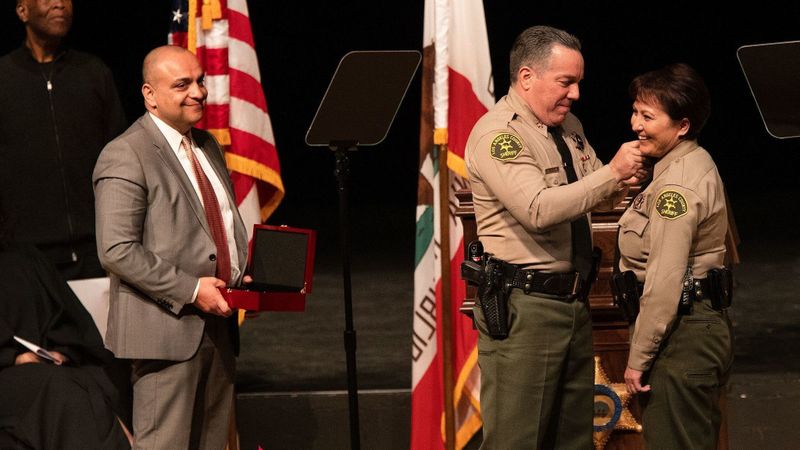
column 528, row 283
column 698, row 289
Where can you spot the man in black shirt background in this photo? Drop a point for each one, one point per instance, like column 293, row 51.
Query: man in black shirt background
column 58, row 108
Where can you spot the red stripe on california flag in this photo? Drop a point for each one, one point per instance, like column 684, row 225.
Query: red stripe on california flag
column 239, row 28
column 426, row 407
column 464, row 111
column 247, row 88
column 253, row 147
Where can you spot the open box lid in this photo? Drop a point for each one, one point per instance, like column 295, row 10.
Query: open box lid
column 281, row 259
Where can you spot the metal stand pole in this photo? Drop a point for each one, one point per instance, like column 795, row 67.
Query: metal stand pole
column 342, row 172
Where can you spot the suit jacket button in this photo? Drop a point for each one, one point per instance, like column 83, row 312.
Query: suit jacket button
column 212, row 257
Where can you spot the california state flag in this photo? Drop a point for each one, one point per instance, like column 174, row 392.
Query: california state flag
column 457, row 90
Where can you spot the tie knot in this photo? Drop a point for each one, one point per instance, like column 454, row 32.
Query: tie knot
column 555, row 131
column 186, row 142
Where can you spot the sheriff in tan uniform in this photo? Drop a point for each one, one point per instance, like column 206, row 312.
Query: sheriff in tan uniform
column 513, row 164
column 680, row 220
column 531, row 205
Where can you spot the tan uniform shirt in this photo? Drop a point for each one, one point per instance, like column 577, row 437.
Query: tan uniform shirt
column 523, row 204
column 679, row 220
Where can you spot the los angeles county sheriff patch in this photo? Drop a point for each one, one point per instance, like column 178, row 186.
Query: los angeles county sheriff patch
column 671, row 205
column 505, row 147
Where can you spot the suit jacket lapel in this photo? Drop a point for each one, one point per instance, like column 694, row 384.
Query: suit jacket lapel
column 164, row 151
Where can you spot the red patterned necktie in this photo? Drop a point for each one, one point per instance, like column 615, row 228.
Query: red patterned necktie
column 213, row 213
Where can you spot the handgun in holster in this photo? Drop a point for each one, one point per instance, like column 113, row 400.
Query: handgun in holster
column 720, row 283
column 472, row 272
column 625, row 290
column 493, row 293
column 472, row 266
column 488, row 274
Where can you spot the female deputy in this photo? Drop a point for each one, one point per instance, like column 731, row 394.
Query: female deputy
column 673, row 239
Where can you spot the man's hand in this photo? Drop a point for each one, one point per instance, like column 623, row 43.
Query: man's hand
column 641, row 175
column 60, row 358
column 247, row 279
column 26, row 358
column 209, row 300
column 633, row 381
column 628, row 162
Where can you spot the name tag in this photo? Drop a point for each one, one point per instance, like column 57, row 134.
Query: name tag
column 552, row 176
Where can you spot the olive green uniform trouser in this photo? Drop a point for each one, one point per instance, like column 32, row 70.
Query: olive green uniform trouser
column 537, row 385
column 687, row 378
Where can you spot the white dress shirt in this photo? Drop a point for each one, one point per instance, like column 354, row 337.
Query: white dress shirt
column 174, row 139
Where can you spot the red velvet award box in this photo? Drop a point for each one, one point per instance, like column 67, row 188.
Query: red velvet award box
column 281, row 262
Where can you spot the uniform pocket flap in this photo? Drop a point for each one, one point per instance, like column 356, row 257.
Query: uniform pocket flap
column 634, row 222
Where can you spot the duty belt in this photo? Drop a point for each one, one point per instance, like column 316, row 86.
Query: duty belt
column 562, row 285
column 702, row 290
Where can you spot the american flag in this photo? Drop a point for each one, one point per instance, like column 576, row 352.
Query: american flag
column 219, row 33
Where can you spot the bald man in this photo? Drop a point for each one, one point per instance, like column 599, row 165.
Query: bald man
column 169, row 234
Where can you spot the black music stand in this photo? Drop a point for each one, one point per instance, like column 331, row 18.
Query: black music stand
column 357, row 110
column 773, row 73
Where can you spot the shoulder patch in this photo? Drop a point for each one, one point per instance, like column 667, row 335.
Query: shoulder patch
column 671, row 205
column 505, row 147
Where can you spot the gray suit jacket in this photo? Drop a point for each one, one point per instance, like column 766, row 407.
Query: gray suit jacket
column 153, row 239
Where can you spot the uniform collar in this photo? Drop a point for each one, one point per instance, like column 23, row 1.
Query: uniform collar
column 524, row 111
column 680, row 150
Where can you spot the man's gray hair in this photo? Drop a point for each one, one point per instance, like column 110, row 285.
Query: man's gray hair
column 533, row 47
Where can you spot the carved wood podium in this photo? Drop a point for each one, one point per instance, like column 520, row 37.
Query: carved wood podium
column 609, row 328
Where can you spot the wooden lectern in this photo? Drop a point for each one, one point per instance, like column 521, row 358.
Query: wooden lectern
column 609, row 327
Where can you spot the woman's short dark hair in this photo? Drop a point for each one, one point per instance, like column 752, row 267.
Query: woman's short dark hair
column 679, row 90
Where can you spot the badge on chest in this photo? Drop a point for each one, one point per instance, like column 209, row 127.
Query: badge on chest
column 638, row 202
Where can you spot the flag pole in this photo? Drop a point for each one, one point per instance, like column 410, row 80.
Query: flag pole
column 446, row 310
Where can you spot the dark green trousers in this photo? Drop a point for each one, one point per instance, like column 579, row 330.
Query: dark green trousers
column 537, row 385
column 687, row 378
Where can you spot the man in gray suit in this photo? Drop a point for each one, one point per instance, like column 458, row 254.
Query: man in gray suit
column 170, row 235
